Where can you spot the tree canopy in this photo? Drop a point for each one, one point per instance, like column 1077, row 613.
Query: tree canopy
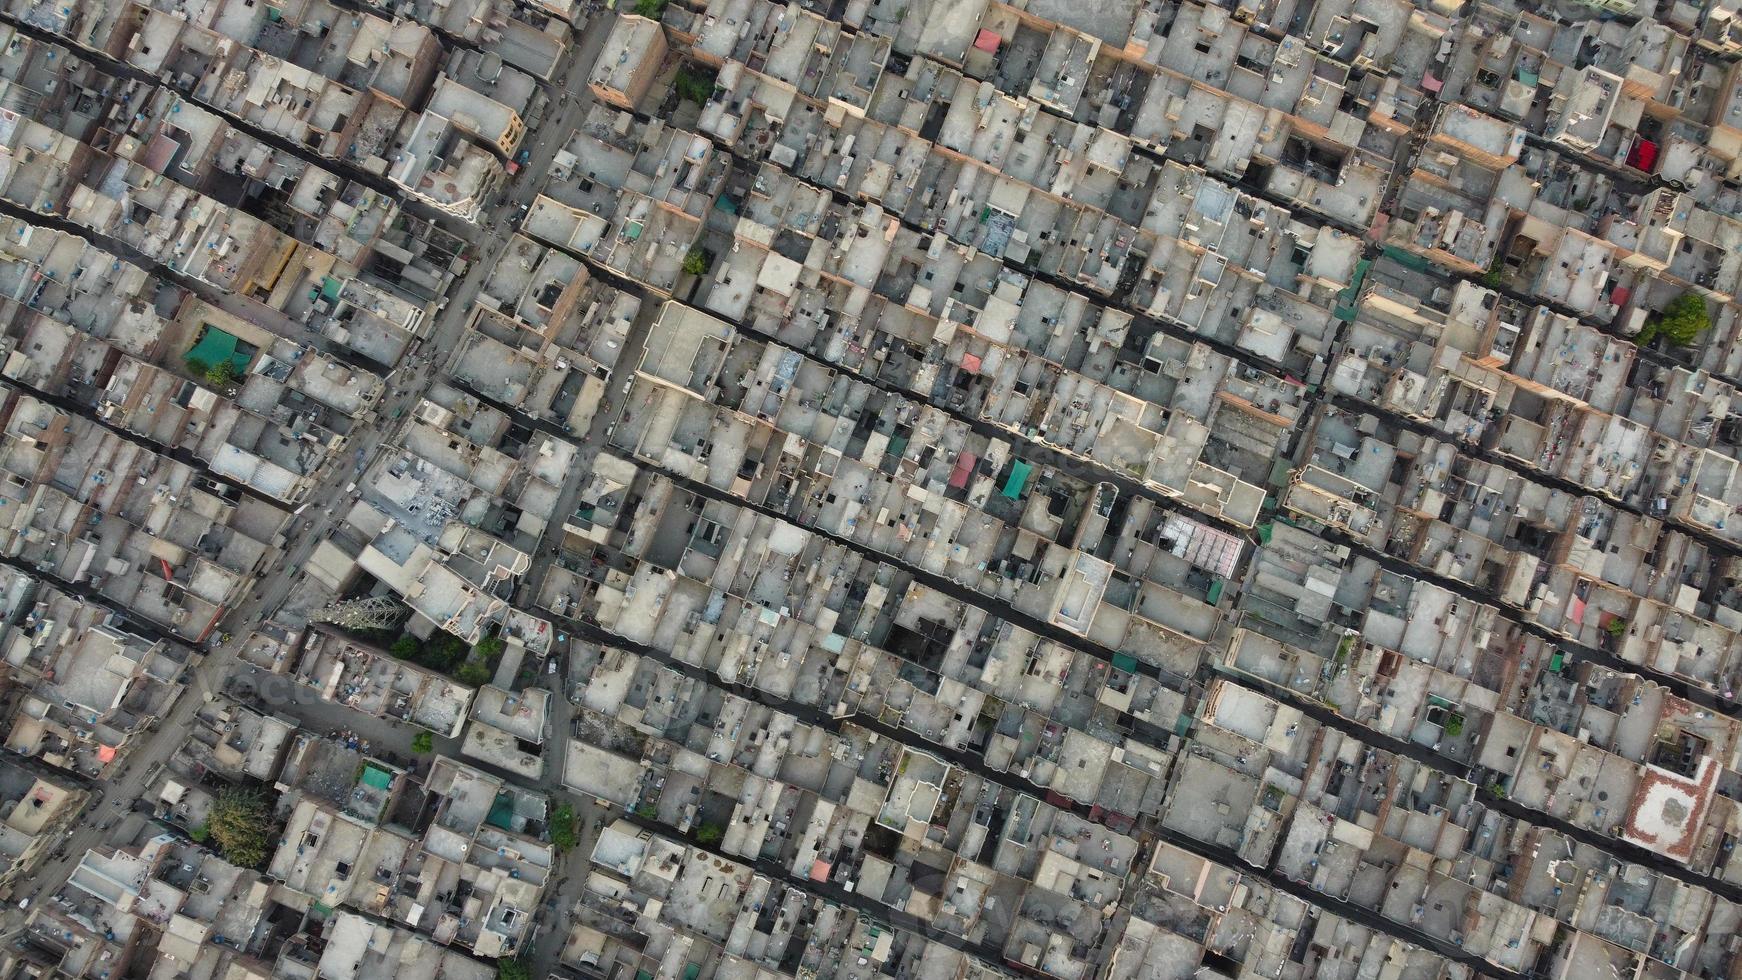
column 241, row 823
column 222, row 373
column 1681, row 322
column 443, row 651
column 696, row 86
column 562, row 827
column 696, row 262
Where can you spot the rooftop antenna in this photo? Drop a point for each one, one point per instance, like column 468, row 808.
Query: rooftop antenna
column 376, row 612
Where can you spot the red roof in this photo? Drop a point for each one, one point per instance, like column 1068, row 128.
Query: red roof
column 987, row 41
column 971, row 363
column 964, row 467
column 159, row 152
column 1643, row 156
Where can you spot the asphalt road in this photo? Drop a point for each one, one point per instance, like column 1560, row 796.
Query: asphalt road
column 328, row 499
column 405, row 385
column 974, row 762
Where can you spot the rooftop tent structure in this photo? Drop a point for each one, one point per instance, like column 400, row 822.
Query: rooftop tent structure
column 502, row 811
column 376, row 778
column 217, row 347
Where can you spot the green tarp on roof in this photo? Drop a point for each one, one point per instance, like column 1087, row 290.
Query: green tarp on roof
column 330, row 288
column 1125, row 662
column 376, row 779
column 1350, row 294
column 1018, row 479
column 217, row 347
column 502, row 811
column 1403, row 256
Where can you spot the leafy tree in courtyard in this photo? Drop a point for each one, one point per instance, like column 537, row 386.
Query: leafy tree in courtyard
column 696, row 262
column 1681, row 323
column 241, row 823
column 696, row 87
column 221, row 373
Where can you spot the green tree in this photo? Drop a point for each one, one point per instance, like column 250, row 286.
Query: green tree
column 490, row 648
column 709, row 833
column 651, row 9
column 423, row 743
column 1681, row 322
column 221, row 373
column 695, row 86
column 473, row 674
column 241, row 823
column 407, row 647
column 696, row 262
column 1496, row 273
column 562, row 827
column 507, row 969
column 443, row 652
column 200, row 834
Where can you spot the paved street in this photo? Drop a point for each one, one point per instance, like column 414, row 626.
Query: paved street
column 327, row 499
column 1122, row 490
